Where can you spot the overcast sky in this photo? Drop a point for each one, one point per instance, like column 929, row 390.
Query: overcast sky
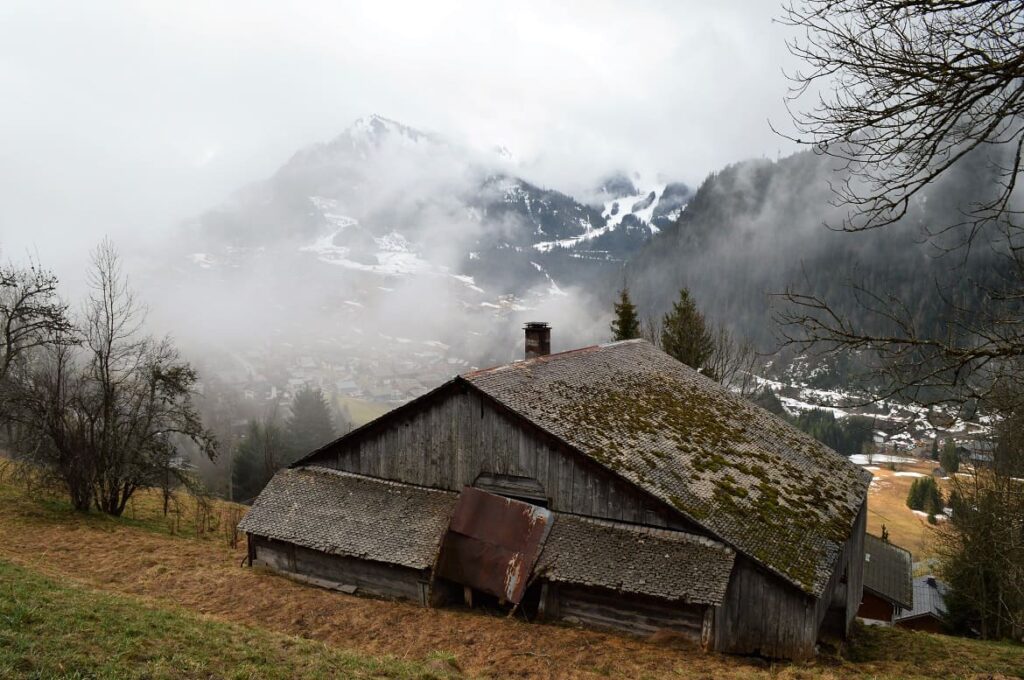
column 127, row 118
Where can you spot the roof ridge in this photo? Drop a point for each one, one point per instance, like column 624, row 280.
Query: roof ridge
column 630, row 341
column 555, row 356
column 319, row 469
column 531, row 362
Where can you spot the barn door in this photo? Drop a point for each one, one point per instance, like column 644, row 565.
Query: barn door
column 492, row 543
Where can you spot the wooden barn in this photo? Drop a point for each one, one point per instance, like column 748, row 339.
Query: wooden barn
column 610, row 486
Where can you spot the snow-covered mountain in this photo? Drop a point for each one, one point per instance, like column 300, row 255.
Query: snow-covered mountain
column 386, row 199
column 390, row 232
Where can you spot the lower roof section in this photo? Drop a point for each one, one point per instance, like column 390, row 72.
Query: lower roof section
column 344, row 514
column 637, row 560
column 341, row 513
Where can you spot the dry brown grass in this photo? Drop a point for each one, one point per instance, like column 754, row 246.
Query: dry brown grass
column 206, row 576
column 887, row 504
column 139, row 557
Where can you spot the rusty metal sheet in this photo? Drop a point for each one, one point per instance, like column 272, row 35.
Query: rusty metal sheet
column 492, row 543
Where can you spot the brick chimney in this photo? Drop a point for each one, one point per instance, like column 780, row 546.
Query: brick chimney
column 538, row 339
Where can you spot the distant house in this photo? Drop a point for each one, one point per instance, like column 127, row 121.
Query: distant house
column 888, row 581
column 977, row 452
column 346, row 387
column 610, row 486
column 929, row 611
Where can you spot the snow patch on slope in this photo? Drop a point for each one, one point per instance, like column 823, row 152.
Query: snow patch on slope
column 641, row 205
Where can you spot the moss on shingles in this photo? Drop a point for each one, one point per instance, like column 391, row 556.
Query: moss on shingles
column 694, row 448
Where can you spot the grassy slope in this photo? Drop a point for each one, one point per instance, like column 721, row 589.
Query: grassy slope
column 887, row 504
column 117, row 597
column 53, row 629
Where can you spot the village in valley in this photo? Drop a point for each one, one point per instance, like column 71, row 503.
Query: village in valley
column 613, row 358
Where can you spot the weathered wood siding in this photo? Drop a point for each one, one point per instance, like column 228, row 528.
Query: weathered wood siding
column 841, row 598
column 336, row 571
column 599, row 608
column 763, row 614
column 450, row 442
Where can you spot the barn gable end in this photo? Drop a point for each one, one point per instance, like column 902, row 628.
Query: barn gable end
column 455, row 437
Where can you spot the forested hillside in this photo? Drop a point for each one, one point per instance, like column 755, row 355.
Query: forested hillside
column 759, row 227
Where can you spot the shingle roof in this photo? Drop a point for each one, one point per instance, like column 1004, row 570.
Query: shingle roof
column 888, row 571
column 636, row 560
column 759, row 484
column 345, row 514
column 929, row 599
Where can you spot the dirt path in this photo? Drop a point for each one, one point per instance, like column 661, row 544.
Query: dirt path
column 206, row 576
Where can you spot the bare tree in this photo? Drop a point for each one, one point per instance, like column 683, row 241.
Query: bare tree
column 31, row 315
column 141, row 392
column 732, row 362
column 107, row 414
column 651, row 330
column 909, row 91
column 912, row 91
column 51, row 429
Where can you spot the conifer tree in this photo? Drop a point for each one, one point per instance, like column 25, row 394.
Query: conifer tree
column 925, row 496
column 626, row 324
column 935, row 449
column 950, row 459
column 310, row 425
column 915, row 497
column 685, row 333
column 261, row 452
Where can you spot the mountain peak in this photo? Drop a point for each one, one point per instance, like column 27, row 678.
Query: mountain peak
column 376, row 127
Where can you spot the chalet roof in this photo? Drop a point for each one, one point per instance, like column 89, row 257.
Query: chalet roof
column 888, row 571
column 345, row 514
column 342, row 513
column 929, row 599
column 636, row 560
column 759, row 484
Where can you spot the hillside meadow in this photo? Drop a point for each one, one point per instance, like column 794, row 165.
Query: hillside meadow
column 148, row 595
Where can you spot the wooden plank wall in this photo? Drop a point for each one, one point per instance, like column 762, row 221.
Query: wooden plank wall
column 614, row 611
column 449, row 443
column 336, row 571
column 762, row 614
column 843, row 593
column 789, row 622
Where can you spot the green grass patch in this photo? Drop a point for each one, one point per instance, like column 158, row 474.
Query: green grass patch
column 901, row 653
column 51, row 629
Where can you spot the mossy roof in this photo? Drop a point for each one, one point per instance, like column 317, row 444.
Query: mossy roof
column 772, row 492
column 636, row 560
